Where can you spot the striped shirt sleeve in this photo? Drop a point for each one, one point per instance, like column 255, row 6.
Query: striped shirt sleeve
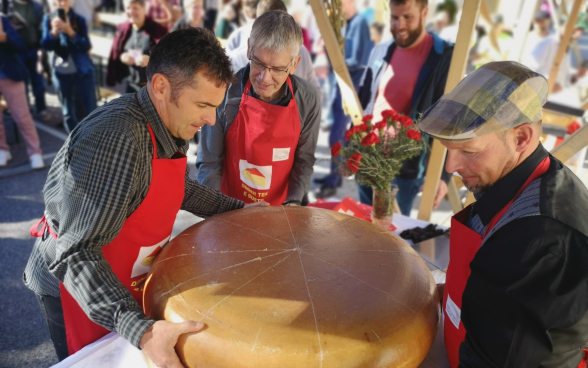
column 98, row 187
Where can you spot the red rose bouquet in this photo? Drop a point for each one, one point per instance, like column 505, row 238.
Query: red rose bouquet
column 375, row 153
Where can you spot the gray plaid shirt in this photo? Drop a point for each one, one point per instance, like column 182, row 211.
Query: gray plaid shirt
column 99, row 177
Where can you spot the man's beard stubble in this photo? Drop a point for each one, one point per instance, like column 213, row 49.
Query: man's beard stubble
column 412, row 36
column 483, row 189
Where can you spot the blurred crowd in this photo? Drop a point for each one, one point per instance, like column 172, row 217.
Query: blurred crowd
column 48, row 45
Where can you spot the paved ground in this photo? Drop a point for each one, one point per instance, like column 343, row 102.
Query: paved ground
column 24, row 340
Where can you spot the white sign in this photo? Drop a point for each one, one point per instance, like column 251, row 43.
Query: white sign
column 453, row 312
column 281, row 154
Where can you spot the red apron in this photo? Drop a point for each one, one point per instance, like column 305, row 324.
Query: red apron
column 131, row 253
column 464, row 244
column 259, row 150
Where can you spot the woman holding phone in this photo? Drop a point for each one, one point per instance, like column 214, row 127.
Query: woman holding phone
column 65, row 36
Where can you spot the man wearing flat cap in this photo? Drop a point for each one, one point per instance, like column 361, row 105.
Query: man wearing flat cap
column 516, row 293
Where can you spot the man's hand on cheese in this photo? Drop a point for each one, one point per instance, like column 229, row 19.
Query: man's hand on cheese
column 256, row 204
column 161, row 338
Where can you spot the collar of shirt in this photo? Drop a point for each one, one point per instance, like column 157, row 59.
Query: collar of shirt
column 282, row 100
column 169, row 144
column 505, row 189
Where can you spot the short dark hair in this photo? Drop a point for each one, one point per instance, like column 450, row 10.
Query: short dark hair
column 265, row 6
column 420, row 3
column 180, row 55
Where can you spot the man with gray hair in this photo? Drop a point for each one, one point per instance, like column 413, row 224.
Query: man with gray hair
column 262, row 145
column 239, row 58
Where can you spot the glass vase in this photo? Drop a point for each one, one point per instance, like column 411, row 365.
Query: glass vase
column 383, row 205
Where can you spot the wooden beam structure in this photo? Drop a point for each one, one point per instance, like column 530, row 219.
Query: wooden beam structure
column 571, row 145
column 467, row 24
column 564, row 43
column 351, row 104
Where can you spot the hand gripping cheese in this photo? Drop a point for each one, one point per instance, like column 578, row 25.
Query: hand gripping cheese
column 294, row 287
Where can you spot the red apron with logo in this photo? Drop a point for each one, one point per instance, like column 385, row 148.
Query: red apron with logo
column 464, row 244
column 131, row 253
column 259, row 150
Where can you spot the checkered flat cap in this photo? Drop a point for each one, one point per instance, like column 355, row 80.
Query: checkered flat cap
column 497, row 96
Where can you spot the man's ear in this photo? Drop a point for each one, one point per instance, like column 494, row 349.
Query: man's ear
column 160, row 87
column 425, row 12
column 295, row 65
column 523, row 136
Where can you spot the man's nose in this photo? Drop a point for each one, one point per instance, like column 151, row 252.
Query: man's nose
column 210, row 117
column 265, row 75
column 453, row 163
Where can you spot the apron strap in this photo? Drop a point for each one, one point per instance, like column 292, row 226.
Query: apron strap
column 148, row 127
column 538, row 172
column 42, row 230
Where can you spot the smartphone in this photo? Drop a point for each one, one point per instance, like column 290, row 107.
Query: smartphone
column 61, row 13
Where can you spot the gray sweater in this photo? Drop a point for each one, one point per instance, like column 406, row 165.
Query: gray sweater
column 211, row 151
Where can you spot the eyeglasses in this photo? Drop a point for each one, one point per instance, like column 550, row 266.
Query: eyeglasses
column 259, row 67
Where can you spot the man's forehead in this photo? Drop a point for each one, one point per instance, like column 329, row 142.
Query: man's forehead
column 272, row 58
column 474, row 143
column 406, row 7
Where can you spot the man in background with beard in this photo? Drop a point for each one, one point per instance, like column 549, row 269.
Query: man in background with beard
column 408, row 75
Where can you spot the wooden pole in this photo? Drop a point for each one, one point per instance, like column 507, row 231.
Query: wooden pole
column 471, row 10
column 563, row 45
column 453, row 196
column 571, row 145
column 522, row 29
column 351, row 104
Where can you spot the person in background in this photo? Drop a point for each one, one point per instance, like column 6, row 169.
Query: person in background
column 73, row 72
column 541, row 48
column 26, row 17
column 164, row 12
column 408, row 75
column 194, row 16
column 132, row 46
column 368, row 12
column 87, row 10
column 305, row 69
column 13, row 75
column 239, row 38
column 358, row 46
column 376, row 33
column 440, row 22
column 225, row 25
column 263, row 143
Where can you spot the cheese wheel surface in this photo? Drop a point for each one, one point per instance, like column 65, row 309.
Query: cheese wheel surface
column 294, row 287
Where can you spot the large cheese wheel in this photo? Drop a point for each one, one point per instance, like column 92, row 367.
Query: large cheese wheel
column 294, row 287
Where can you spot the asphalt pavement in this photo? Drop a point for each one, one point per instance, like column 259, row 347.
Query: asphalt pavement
column 24, row 338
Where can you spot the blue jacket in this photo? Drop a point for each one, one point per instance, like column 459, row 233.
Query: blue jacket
column 10, row 63
column 358, row 46
column 64, row 46
column 429, row 88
